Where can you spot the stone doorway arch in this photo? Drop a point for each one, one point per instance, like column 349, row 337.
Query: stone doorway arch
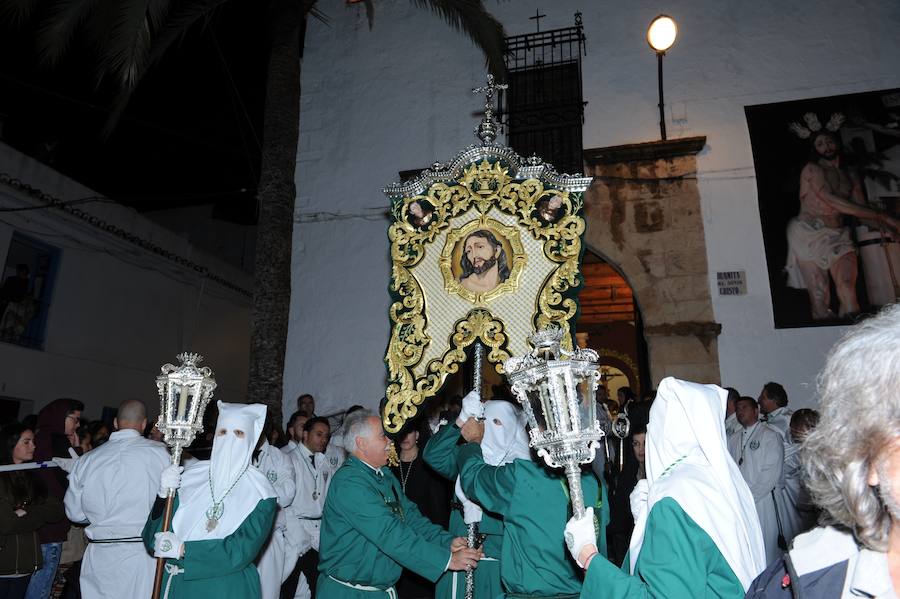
column 643, row 215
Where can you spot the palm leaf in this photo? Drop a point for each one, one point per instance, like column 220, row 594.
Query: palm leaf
column 58, row 26
column 17, row 12
column 179, row 23
column 471, row 18
column 157, row 11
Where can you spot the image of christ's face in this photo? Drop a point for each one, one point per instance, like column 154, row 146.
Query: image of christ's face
column 481, row 253
column 825, row 146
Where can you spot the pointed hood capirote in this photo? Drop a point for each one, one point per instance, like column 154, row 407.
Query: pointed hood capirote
column 688, row 460
column 226, row 479
column 505, row 440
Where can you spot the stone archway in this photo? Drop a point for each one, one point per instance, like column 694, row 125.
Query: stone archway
column 643, row 214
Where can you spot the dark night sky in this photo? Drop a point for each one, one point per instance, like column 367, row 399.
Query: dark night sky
column 189, row 135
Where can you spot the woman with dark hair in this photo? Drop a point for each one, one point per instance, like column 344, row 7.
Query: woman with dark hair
column 24, row 507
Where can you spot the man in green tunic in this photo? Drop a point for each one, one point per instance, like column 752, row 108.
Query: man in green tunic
column 224, row 510
column 371, row 531
column 534, row 503
column 505, row 440
column 696, row 530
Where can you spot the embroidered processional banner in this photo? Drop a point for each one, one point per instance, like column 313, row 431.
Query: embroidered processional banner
column 485, row 248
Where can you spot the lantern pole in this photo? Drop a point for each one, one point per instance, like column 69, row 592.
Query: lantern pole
column 180, row 419
column 472, row 527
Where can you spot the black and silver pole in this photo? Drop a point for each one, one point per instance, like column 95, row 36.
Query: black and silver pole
column 472, row 528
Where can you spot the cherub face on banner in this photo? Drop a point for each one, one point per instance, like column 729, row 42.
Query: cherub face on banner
column 482, row 259
column 420, row 214
column 549, row 209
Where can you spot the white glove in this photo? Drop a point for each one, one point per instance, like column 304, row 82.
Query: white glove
column 67, row 464
column 579, row 533
column 471, row 406
column 638, row 498
column 472, row 512
column 167, row 544
column 169, row 479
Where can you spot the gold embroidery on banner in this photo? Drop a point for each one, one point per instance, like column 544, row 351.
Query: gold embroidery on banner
column 548, row 215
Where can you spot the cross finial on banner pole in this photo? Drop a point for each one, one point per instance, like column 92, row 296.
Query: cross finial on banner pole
column 487, row 130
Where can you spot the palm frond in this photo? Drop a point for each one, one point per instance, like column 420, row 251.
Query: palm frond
column 178, row 23
column 472, row 19
column 58, row 27
column 17, row 12
column 157, row 11
column 127, row 43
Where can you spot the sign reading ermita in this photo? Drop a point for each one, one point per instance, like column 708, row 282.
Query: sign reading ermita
column 732, row 282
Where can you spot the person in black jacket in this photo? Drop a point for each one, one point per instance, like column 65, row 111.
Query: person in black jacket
column 56, row 433
column 25, row 506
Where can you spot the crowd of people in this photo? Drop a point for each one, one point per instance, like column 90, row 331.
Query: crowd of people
column 711, row 494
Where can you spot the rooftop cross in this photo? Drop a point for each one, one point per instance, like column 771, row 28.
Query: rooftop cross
column 537, row 19
column 487, row 130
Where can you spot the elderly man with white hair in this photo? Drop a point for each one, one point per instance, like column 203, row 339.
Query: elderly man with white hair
column 371, row 531
column 696, row 531
column 852, row 462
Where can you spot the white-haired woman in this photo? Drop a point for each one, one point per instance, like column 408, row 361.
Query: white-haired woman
column 696, row 532
column 852, row 461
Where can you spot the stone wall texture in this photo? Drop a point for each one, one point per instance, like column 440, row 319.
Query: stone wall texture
column 643, row 214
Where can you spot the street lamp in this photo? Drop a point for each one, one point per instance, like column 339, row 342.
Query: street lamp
column 661, row 35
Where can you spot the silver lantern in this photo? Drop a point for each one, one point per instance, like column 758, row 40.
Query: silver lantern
column 556, row 389
column 184, row 392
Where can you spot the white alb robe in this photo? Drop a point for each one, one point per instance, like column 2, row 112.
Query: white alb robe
column 277, row 468
column 731, row 425
column 759, row 452
column 780, row 420
column 304, row 515
column 113, row 488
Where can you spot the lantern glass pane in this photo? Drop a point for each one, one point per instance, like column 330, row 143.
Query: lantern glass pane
column 559, row 407
column 536, row 397
column 586, row 404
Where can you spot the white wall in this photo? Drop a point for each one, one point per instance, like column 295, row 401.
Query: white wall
column 118, row 312
column 397, row 97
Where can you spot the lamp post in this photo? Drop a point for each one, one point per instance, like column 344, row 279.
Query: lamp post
column 661, row 36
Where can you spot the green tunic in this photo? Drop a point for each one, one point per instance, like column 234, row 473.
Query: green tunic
column 440, row 454
column 534, row 504
column 678, row 560
column 371, row 531
column 221, row 568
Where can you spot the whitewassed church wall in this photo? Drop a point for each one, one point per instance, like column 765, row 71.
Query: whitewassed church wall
column 396, row 97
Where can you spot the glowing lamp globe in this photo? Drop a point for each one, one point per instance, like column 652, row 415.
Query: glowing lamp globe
column 662, row 33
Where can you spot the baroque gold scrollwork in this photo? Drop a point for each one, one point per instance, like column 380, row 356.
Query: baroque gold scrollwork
column 547, row 214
